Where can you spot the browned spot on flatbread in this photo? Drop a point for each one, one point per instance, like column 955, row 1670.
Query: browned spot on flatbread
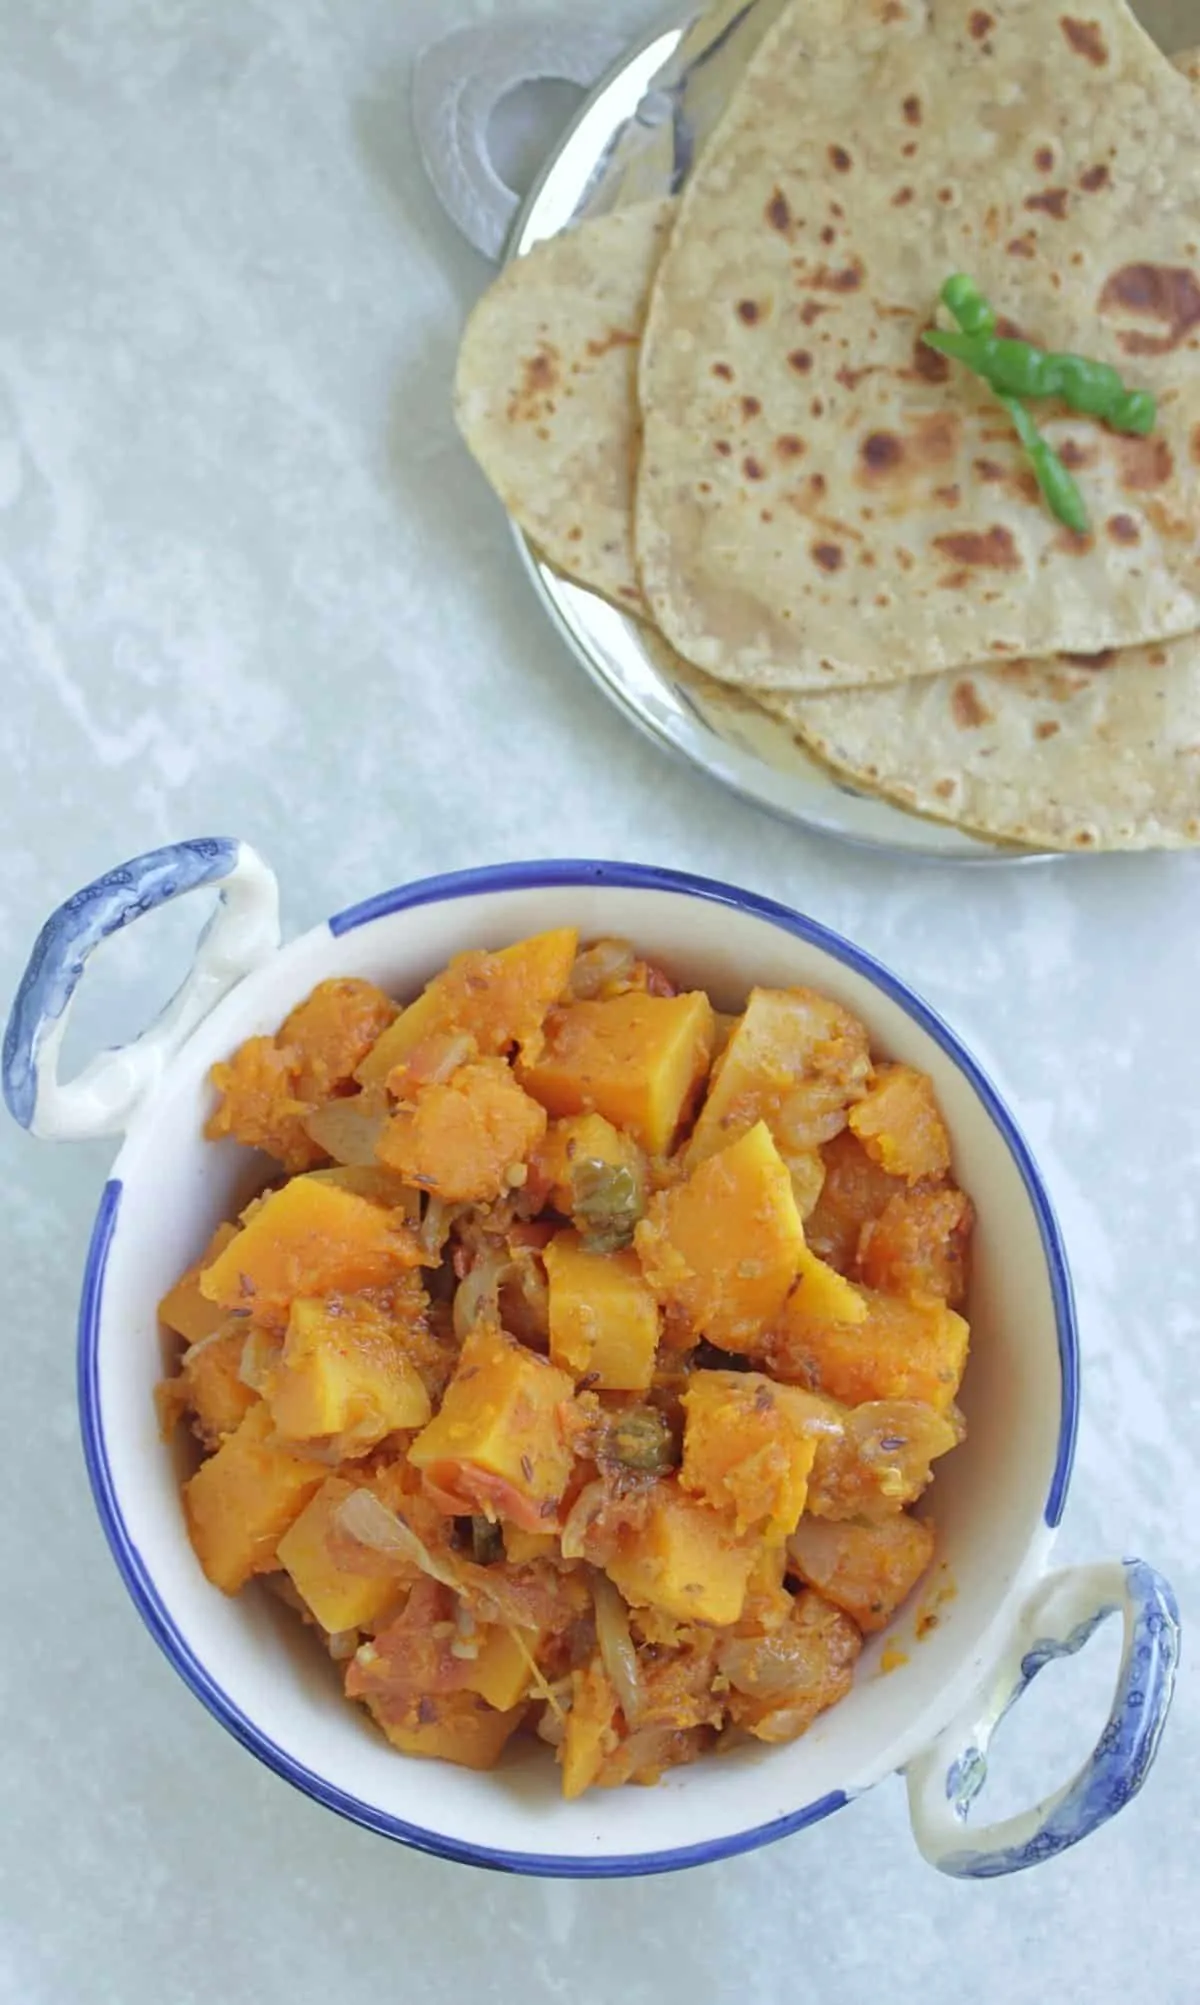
column 1086, row 39
column 724, row 448
column 934, row 438
column 1048, row 728
column 927, row 365
column 1123, row 529
column 948, row 496
column 944, row 790
column 1075, row 456
column 750, row 407
column 990, row 549
column 901, row 198
column 840, row 160
column 851, row 378
column 817, row 407
column 1050, row 202
column 750, row 311
column 1143, row 464
column 789, row 446
column 779, row 215
column 617, row 337
column 800, row 360
column 812, row 310
column 1043, row 159
column 540, row 375
column 981, row 24
column 1167, row 293
column 723, row 370
column 1195, row 444
column 912, row 110
column 882, row 452
column 1023, row 247
column 970, row 711
column 828, row 234
column 1093, row 178
column 830, row 556
column 752, row 469
column 990, row 469
column 828, row 278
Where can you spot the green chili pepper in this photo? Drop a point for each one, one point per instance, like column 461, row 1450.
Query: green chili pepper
column 1060, row 492
column 1059, row 488
column 1018, row 369
column 962, row 297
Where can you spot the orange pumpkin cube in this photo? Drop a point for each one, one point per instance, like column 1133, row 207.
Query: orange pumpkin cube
column 209, row 1377
column 749, row 1447
column 310, row 1238
column 498, row 1445
column 900, row 1350
column 603, row 1316
column 183, row 1308
column 685, row 1560
column 866, row 1570
column 721, row 1251
column 499, row 1000
column 795, row 1060
column 900, row 1125
column 242, row 1500
column 465, row 1141
column 342, row 1583
column 458, row 1727
column 636, row 1059
column 344, row 1374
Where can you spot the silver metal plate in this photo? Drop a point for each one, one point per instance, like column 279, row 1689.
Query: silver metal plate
column 712, row 726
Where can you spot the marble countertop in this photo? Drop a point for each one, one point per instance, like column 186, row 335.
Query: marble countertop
column 251, row 584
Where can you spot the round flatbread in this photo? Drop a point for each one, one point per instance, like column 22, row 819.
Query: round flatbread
column 546, row 392
column 821, row 500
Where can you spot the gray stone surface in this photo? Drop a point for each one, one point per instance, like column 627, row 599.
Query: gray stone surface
column 250, row 583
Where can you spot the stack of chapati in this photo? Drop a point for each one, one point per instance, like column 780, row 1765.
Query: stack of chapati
column 719, row 413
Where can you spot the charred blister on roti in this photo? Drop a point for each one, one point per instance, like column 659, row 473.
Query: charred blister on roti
column 1167, row 293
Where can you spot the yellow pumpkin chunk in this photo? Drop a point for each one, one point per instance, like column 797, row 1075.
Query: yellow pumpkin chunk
column 242, row 1500
column 900, row 1126
column 590, row 1734
column 465, row 1140
column 501, row 1673
column 899, row 1350
column 636, row 1059
column 685, row 1560
column 343, row 1373
column 581, row 1138
column 310, row 1238
column 498, row 1444
column 500, row 1000
column 866, row 1570
column 796, row 1061
column 184, row 1308
column 342, row 1583
column 459, row 1727
column 603, row 1316
column 721, row 1251
column 749, row 1448
column 216, row 1395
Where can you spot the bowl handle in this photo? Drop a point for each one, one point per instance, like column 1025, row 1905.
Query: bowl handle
column 458, row 83
column 1062, row 1614
column 242, row 933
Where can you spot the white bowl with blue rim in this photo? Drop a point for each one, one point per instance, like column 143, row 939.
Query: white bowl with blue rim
column 1001, row 1616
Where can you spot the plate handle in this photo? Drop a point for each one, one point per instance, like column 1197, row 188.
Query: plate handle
column 458, row 83
column 242, row 933
column 1061, row 1616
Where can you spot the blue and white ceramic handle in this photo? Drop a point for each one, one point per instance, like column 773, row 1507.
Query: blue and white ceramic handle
column 1062, row 1614
column 243, row 932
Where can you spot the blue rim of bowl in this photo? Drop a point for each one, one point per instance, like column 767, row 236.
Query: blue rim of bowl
column 145, row 1596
